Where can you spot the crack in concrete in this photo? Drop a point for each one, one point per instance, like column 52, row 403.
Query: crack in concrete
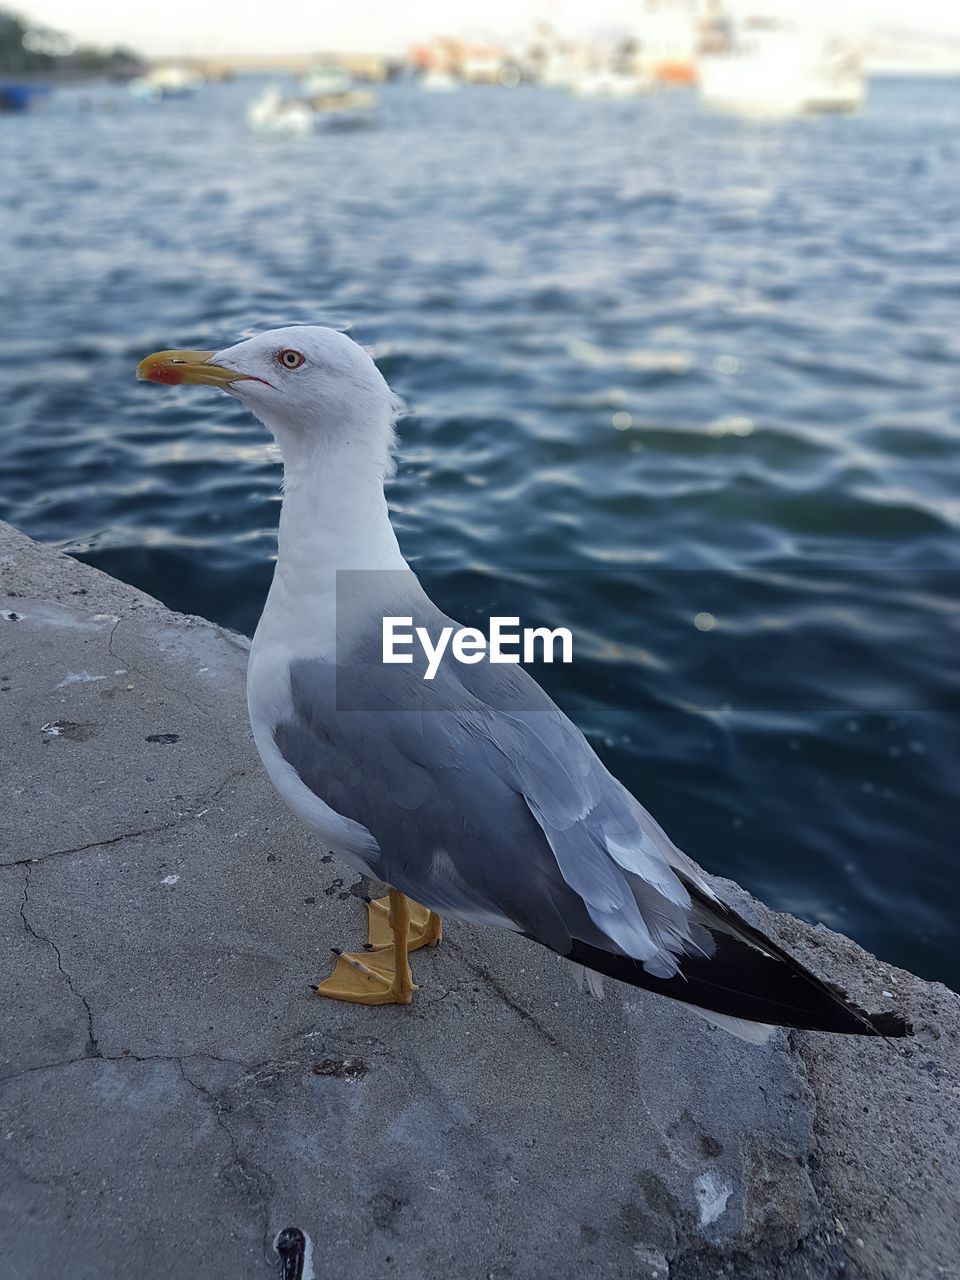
column 259, row 1182
column 144, row 675
column 93, row 1049
column 221, row 634
column 96, row 844
column 127, row 1056
column 170, row 825
column 256, row 1180
column 480, row 971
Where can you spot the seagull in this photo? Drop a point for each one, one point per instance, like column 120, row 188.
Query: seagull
column 470, row 793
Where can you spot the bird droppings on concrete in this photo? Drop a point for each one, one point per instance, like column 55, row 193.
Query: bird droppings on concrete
column 72, row 730
column 170, row 880
column 712, row 1196
column 157, row 1051
column 650, row 1264
column 79, row 677
column 341, row 1068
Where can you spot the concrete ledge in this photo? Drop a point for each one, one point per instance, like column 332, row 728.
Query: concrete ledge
column 172, row 1095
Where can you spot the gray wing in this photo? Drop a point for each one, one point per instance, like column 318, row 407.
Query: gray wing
column 488, row 803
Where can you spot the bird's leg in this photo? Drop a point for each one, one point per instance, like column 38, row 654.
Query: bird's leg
column 425, row 929
column 382, row 975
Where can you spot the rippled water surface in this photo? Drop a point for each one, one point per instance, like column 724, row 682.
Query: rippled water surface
column 658, row 366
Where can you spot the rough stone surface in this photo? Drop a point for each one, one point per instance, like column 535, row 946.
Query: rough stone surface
column 172, row 1094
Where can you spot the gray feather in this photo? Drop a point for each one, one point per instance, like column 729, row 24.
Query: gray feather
column 484, row 799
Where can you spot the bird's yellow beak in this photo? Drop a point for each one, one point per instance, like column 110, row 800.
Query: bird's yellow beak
column 186, row 366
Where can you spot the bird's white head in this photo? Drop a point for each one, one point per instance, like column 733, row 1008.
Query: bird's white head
column 317, row 391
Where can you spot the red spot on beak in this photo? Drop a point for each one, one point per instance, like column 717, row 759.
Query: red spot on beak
column 168, row 373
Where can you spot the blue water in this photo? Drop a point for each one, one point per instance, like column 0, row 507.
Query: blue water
column 657, row 364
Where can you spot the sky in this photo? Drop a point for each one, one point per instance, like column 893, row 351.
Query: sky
column 198, row 27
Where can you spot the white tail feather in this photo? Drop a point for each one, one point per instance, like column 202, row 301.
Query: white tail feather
column 586, row 977
column 751, row 1032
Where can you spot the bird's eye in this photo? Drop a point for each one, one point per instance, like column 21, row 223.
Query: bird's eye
column 291, row 359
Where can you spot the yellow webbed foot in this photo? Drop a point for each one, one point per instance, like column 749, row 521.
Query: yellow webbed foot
column 424, row 928
column 368, row 977
column 381, row 974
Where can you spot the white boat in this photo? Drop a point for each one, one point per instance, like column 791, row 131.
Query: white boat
column 775, row 70
column 274, row 112
column 609, row 84
column 557, row 68
column 354, row 109
column 335, row 101
column 271, row 112
column 323, row 81
column 168, row 81
column 438, row 81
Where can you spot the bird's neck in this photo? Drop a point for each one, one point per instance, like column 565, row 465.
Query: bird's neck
column 334, row 518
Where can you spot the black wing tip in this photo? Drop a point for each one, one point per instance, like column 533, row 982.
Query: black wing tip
column 848, row 1018
column 789, row 995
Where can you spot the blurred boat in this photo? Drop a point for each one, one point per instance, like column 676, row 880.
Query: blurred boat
column 437, row 81
column 18, row 97
column 666, row 32
column 330, row 91
column 325, row 80
column 356, row 108
column 168, row 81
column 773, row 69
column 609, row 84
column 273, row 112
